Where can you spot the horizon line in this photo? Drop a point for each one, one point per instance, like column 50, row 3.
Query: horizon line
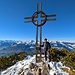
column 38, row 40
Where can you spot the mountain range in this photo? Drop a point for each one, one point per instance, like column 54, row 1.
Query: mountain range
column 9, row 47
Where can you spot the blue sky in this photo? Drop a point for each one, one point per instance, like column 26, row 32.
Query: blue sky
column 12, row 13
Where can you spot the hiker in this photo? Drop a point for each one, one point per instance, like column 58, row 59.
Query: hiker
column 47, row 47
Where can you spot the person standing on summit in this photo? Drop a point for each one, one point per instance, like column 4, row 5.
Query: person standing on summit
column 47, row 47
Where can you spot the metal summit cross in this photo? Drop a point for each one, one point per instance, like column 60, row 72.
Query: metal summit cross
column 39, row 15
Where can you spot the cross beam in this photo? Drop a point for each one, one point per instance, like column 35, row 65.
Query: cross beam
column 45, row 18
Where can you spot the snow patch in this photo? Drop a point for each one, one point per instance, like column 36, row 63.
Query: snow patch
column 24, row 64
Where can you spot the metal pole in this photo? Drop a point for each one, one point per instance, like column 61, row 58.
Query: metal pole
column 40, row 40
column 36, row 32
column 36, row 40
column 40, row 8
column 36, row 6
column 41, row 26
column 40, row 30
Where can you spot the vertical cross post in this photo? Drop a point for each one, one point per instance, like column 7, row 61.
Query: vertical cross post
column 36, row 33
column 40, row 31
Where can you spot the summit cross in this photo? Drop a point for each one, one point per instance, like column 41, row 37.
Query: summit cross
column 39, row 18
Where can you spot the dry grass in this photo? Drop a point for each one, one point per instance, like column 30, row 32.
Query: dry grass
column 68, row 71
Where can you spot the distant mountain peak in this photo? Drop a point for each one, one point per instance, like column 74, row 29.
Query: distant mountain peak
column 8, row 47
